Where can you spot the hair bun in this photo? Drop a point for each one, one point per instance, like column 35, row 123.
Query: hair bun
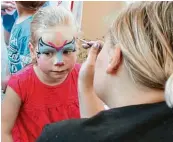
column 169, row 91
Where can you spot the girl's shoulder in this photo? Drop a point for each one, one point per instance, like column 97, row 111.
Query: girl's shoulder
column 75, row 71
column 74, row 74
column 24, row 73
column 21, row 80
column 77, row 67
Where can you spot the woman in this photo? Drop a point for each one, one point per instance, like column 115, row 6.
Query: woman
column 130, row 75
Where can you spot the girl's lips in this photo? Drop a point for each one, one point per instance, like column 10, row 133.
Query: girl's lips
column 60, row 72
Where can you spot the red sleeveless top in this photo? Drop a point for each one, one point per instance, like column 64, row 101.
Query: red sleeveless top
column 42, row 104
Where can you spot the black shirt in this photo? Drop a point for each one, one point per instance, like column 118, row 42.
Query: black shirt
column 137, row 123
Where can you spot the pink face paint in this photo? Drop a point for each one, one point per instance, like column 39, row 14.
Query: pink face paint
column 59, row 37
column 58, row 48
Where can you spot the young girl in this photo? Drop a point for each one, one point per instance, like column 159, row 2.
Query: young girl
column 45, row 91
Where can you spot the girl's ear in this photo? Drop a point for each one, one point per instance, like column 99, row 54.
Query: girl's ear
column 32, row 51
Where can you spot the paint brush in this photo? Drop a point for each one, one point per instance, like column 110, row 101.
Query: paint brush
column 86, row 43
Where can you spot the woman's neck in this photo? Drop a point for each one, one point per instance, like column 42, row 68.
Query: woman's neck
column 125, row 92
column 135, row 98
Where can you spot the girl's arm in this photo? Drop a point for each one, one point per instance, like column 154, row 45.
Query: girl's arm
column 10, row 108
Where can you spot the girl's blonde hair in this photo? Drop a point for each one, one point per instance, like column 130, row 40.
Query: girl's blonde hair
column 145, row 31
column 50, row 17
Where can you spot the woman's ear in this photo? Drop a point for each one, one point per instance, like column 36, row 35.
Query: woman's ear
column 115, row 61
column 32, row 51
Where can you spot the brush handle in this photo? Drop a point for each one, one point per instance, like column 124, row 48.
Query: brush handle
column 87, row 44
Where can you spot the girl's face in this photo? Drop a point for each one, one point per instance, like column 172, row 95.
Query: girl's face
column 56, row 55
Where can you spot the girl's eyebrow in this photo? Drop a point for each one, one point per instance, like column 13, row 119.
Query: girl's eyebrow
column 56, row 47
column 71, row 42
column 46, row 49
column 51, row 44
column 69, row 47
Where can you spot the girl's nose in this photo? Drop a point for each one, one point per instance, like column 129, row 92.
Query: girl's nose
column 59, row 64
column 59, row 59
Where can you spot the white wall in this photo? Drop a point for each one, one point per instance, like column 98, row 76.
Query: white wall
column 3, row 54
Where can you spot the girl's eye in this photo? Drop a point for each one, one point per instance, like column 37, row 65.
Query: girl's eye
column 67, row 51
column 48, row 53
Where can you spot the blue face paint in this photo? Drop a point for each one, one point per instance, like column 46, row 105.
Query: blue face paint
column 49, row 50
column 59, row 56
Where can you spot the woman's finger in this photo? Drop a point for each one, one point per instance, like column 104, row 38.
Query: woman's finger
column 93, row 53
column 90, row 43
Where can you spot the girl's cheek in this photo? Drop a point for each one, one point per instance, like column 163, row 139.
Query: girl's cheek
column 44, row 63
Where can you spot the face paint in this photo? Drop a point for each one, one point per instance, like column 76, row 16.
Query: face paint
column 59, row 36
column 58, row 48
column 59, row 57
column 51, row 50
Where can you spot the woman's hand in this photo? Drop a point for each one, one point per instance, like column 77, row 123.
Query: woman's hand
column 89, row 103
column 86, row 75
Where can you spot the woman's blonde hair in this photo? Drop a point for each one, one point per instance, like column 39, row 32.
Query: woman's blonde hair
column 145, row 31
